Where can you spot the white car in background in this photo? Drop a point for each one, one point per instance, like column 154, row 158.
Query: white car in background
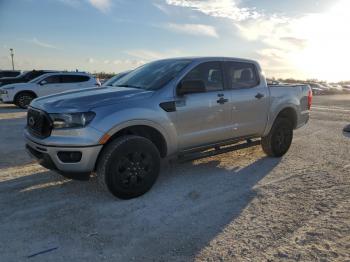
column 21, row 94
column 115, row 78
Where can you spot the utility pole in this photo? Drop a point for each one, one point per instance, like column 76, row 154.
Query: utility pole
column 12, row 54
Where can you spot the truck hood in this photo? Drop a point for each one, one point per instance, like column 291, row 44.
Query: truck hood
column 83, row 100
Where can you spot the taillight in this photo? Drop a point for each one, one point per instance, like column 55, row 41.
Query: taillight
column 309, row 99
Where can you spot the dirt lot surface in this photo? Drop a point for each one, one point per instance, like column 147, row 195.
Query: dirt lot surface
column 239, row 206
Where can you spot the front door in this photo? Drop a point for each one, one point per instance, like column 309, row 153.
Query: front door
column 50, row 85
column 204, row 118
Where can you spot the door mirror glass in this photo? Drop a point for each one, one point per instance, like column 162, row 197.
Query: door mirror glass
column 44, row 82
column 191, row 87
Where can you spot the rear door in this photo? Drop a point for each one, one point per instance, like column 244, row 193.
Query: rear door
column 204, row 118
column 249, row 101
column 71, row 82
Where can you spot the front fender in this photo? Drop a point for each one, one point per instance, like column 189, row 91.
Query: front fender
column 156, row 119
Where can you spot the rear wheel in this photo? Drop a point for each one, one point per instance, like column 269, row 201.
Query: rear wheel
column 129, row 166
column 278, row 141
column 23, row 99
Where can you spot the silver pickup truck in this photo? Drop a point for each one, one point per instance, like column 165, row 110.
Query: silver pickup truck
column 173, row 107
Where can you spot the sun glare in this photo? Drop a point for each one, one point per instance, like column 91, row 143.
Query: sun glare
column 326, row 54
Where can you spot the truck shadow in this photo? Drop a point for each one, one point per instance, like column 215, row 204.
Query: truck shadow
column 12, row 150
column 188, row 207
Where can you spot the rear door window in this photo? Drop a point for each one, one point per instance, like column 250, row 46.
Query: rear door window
column 74, row 78
column 241, row 75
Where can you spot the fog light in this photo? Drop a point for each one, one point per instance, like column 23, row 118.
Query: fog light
column 69, row 156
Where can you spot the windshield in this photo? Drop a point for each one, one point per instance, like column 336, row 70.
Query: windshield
column 38, row 78
column 153, row 75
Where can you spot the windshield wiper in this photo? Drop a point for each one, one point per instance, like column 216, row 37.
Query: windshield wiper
column 132, row 86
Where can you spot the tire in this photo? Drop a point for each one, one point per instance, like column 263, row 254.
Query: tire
column 278, row 141
column 23, row 99
column 128, row 166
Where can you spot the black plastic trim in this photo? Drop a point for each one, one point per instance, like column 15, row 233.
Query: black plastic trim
column 169, row 106
column 62, row 146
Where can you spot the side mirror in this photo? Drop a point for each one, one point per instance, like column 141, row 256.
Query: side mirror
column 43, row 83
column 191, row 87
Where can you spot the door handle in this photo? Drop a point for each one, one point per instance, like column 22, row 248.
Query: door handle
column 222, row 100
column 259, row 96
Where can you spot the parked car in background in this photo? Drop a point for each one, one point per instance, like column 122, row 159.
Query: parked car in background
column 21, row 94
column 333, row 89
column 346, row 88
column 9, row 73
column 273, row 82
column 318, row 89
column 167, row 108
column 115, row 78
column 337, row 87
column 25, row 77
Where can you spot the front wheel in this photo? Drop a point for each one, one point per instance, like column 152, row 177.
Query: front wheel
column 278, row 141
column 23, row 99
column 129, row 166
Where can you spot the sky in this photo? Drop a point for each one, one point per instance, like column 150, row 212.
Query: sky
column 301, row 39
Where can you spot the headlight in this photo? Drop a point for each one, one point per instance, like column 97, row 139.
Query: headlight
column 4, row 89
column 71, row 120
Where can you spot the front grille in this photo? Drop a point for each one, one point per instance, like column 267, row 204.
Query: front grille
column 38, row 123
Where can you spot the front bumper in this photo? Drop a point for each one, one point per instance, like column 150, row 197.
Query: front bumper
column 48, row 157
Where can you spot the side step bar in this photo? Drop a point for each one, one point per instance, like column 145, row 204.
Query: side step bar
column 217, row 150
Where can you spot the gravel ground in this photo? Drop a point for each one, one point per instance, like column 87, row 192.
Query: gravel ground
column 239, row 206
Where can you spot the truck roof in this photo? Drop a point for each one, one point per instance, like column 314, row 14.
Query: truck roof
column 211, row 58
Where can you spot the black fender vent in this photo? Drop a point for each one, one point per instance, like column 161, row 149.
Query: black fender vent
column 168, row 106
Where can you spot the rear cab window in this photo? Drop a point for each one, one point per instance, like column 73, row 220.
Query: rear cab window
column 241, row 75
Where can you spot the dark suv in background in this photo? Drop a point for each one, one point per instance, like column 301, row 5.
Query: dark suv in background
column 9, row 73
column 25, row 77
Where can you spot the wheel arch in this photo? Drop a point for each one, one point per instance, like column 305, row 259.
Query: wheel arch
column 146, row 130
column 24, row 91
column 288, row 112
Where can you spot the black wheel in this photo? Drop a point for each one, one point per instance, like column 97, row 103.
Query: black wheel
column 23, row 99
column 129, row 166
column 278, row 141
